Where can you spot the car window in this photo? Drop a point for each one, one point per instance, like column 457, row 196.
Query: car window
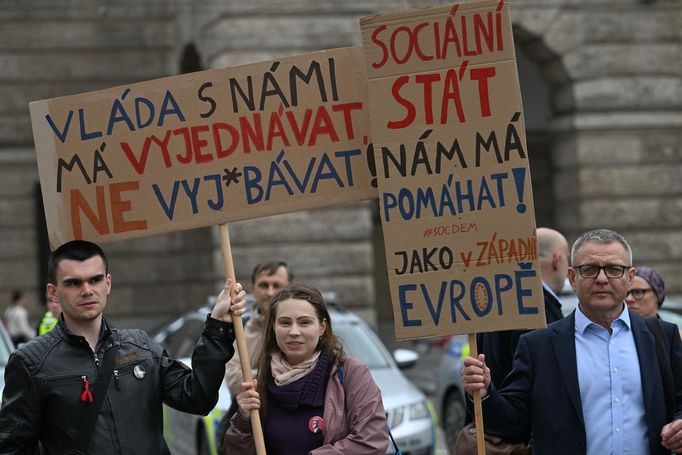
column 359, row 343
column 4, row 350
column 182, row 342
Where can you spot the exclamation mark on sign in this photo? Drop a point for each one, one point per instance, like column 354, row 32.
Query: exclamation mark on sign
column 371, row 163
column 520, row 180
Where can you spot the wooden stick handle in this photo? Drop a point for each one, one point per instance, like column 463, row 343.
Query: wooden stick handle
column 478, row 408
column 241, row 340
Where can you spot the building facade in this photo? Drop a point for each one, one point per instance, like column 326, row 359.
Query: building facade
column 602, row 88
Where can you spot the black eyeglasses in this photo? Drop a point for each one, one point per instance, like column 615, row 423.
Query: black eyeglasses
column 638, row 293
column 610, row 270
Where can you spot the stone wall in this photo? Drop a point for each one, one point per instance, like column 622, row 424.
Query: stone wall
column 613, row 143
column 616, row 78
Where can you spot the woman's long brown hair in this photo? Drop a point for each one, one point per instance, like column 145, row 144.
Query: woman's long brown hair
column 328, row 340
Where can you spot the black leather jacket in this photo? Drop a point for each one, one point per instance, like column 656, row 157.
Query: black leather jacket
column 44, row 382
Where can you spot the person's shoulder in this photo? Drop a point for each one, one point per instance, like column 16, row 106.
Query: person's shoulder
column 545, row 332
column 34, row 351
column 353, row 364
column 668, row 327
column 135, row 336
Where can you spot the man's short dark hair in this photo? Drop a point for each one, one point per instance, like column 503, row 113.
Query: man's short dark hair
column 17, row 295
column 75, row 250
column 270, row 268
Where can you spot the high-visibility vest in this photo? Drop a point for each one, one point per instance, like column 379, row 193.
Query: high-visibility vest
column 47, row 323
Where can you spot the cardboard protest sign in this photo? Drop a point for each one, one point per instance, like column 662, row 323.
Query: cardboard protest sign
column 451, row 159
column 204, row 148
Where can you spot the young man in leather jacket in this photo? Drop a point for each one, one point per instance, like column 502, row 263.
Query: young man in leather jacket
column 54, row 381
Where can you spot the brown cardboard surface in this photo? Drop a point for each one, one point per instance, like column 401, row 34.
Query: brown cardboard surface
column 452, row 166
column 143, row 159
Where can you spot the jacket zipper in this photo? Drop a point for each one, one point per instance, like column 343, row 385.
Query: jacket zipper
column 97, row 365
column 59, row 380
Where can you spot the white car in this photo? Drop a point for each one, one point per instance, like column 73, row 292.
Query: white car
column 409, row 413
column 6, row 347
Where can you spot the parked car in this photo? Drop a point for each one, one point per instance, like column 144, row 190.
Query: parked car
column 409, row 415
column 449, row 396
column 6, row 347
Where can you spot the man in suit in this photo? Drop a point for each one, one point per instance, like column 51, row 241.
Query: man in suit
column 589, row 383
column 499, row 347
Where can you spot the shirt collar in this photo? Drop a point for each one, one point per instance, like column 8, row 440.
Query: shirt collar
column 582, row 322
column 548, row 289
column 103, row 329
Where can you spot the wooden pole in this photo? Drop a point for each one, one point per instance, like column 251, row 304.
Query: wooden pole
column 226, row 249
column 478, row 409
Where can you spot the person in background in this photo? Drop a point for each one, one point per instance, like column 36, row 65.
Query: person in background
column 647, row 293
column 50, row 317
column 499, row 347
column 16, row 319
column 311, row 397
column 589, row 383
column 267, row 279
column 54, row 391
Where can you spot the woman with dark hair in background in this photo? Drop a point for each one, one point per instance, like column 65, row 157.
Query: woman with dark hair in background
column 647, row 293
column 311, row 397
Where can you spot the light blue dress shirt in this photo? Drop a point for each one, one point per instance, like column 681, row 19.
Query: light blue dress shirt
column 610, row 387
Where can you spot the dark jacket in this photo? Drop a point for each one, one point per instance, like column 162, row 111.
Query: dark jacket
column 542, row 392
column 354, row 417
column 44, row 382
column 499, row 347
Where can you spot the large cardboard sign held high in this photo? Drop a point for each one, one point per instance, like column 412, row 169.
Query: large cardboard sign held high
column 452, row 163
column 205, row 148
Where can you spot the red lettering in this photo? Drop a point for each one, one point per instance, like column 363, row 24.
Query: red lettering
column 481, row 75
column 410, row 44
column 427, row 80
column 436, row 39
column 346, row 109
column 187, row 157
column 276, row 129
column 234, row 141
column 451, row 94
column 498, row 24
column 481, row 30
column 139, row 165
column 250, row 133
column 378, row 42
column 465, row 37
column 411, row 111
column 198, row 144
column 302, row 132
column 322, row 125
column 417, row 47
column 450, row 37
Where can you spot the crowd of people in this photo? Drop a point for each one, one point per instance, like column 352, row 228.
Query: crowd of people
column 592, row 382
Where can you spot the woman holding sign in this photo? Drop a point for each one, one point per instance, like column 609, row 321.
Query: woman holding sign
column 312, row 398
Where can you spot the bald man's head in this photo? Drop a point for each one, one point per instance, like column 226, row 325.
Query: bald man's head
column 554, row 256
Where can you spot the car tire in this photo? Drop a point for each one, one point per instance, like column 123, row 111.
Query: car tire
column 203, row 444
column 454, row 414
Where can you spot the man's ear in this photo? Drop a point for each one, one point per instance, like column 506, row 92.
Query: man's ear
column 52, row 292
column 571, row 277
